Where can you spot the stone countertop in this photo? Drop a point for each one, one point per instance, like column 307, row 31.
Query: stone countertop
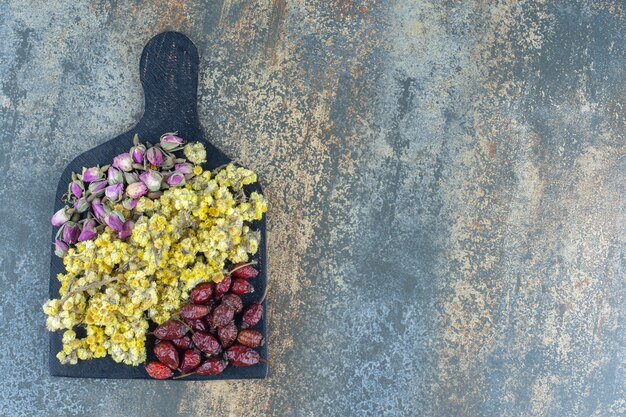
column 446, row 182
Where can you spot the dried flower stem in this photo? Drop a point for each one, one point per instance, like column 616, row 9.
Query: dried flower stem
column 241, row 266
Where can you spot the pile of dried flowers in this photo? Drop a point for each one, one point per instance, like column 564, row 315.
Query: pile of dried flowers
column 134, row 244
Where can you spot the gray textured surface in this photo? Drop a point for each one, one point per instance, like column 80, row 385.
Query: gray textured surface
column 446, row 182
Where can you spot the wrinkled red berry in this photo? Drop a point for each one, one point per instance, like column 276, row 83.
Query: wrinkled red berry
column 182, row 343
column 245, row 272
column 191, row 360
column 198, row 325
column 227, row 334
column 206, row 343
column 212, row 366
column 242, row 355
column 241, row 287
column 166, row 353
column 252, row 315
column 233, row 301
column 222, row 315
column 193, row 311
column 250, row 338
column 157, row 370
column 171, row 330
column 201, row 293
column 222, row 287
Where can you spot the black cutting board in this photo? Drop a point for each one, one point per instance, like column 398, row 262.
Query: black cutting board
column 169, row 75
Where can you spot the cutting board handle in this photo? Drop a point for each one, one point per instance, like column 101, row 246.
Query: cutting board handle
column 169, row 75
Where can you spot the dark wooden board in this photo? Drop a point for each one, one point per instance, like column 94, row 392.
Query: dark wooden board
column 169, row 75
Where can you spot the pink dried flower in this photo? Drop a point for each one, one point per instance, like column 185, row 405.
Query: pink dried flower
column 136, row 190
column 123, row 161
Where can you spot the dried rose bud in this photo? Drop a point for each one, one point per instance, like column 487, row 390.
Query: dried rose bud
column 81, row 205
column 99, row 210
column 131, row 177
column 89, row 230
column 152, row 179
column 184, row 168
column 77, row 188
column 168, row 163
column 175, row 179
column 129, row 203
column 71, row 231
column 91, row 174
column 60, row 248
column 114, row 192
column 155, row 156
column 115, row 221
column 62, row 216
column 97, row 187
column 123, row 161
column 137, row 152
column 170, row 142
column 126, row 231
column 115, row 176
column 136, row 189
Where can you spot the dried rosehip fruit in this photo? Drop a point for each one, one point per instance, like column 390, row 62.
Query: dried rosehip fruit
column 157, row 370
column 191, row 360
column 206, row 343
column 227, row 334
column 252, row 315
column 242, row 356
column 201, row 293
column 250, row 338
column 241, row 287
column 212, row 366
column 234, row 301
column 222, row 315
column 198, row 325
column 182, row 343
column 167, row 354
column 245, row 272
column 193, row 311
column 222, row 287
column 171, row 330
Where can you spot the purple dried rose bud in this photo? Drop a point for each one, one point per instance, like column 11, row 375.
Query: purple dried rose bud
column 184, row 168
column 115, row 176
column 138, row 152
column 77, row 188
column 91, row 174
column 152, row 179
column 99, row 210
column 115, row 221
column 123, row 161
column 131, row 177
column 170, row 142
column 81, row 205
column 60, row 248
column 175, row 179
column 129, row 203
column 114, row 192
column 97, row 187
column 62, row 216
column 136, row 190
column 89, row 230
column 126, row 231
column 155, row 156
column 71, row 231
